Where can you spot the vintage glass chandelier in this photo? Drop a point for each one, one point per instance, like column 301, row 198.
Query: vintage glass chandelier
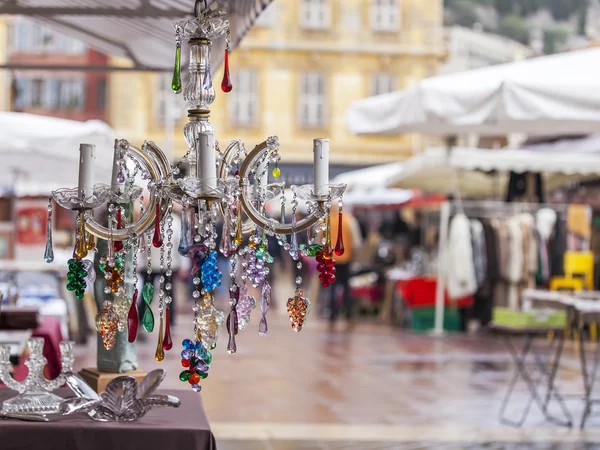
column 232, row 183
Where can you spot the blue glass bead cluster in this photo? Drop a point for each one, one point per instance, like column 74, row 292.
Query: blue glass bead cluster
column 76, row 277
column 211, row 277
column 196, row 360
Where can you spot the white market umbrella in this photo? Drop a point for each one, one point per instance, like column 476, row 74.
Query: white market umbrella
column 39, row 154
column 437, row 170
column 549, row 95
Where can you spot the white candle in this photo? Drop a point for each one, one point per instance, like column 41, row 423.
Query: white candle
column 321, row 165
column 116, row 186
column 87, row 155
column 208, row 161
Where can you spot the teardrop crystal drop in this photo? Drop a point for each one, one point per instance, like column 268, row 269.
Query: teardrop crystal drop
column 207, row 81
column 132, row 319
column 184, row 241
column 232, row 329
column 141, row 247
column 294, row 239
column 80, row 247
column 239, row 238
column 176, row 82
column 328, row 251
column 157, row 239
column 226, row 85
column 225, row 245
column 118, row 245
column 167, row 341
column 160, row 353
column 49, row 252
column 339, row 245
column 265, row 303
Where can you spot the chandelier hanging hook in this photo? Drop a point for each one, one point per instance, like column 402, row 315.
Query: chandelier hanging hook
column 197, row 9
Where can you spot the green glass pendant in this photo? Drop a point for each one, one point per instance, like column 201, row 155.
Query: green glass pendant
column 148, row 320
column 176, row 83
column 148, row 293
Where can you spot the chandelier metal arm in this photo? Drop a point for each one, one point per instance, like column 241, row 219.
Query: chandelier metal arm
column 254, row 215
column 155, row 162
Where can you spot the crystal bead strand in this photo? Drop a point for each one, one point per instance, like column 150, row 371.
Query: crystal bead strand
column 232, row 319
column 167, row 341
column 160, row 352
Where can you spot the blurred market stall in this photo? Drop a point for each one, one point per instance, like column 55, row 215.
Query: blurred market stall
column 547, row 95
column 472, row 172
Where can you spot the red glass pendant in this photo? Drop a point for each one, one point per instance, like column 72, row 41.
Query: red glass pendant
column 157, row 239
column 132, row 319
column 167, row 341
column 118, row 245
column 339, row 246
column 226, row 85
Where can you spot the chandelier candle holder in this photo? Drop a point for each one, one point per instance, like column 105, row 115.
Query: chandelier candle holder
column 233, row 183
column 35, row 392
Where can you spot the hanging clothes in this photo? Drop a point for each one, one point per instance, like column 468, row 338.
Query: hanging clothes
column 484, row 299
column 579, row 228
column 514, row 270
column 479, row 254
column 530, row 245
column 545, row 220
column 502, row 242
column 458, row 264
column 558, row 246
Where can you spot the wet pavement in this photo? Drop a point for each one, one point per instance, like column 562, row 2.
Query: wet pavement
column 370, row 388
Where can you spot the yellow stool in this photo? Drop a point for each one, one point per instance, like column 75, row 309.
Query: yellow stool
column 580, row 265
column 566, row 284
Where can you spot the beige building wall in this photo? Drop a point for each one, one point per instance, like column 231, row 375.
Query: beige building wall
column 279, row 50
column 5, row 84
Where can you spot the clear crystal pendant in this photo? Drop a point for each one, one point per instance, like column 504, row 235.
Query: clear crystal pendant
column 49, row 251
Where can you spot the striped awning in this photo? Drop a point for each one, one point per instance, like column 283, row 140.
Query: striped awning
column 140, row 30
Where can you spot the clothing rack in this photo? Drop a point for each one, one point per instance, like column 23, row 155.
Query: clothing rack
column 481, row 209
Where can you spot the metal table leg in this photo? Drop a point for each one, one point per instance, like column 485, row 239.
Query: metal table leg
column 588, row 381
column 532, row 385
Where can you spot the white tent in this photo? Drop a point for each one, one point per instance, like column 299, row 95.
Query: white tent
column 140, row 30
column 475, row 173
column 587, row 144
column 39, row 154
column 550, row 95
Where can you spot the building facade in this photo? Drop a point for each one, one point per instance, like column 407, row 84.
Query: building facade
column 470, row 49
column 294, row 76
column 69, row 94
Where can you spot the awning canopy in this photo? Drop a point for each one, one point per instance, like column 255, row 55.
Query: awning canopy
column 475, row 173
column 550, row 95
column 140, row 30
column 39, row 154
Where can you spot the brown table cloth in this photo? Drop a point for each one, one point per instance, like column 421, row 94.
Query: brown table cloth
column 183, row 428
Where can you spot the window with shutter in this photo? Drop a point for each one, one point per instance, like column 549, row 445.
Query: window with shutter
column 385, row 15
column 313, row 100
column 243, row 101
column 315, row 14
column 383, row 83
